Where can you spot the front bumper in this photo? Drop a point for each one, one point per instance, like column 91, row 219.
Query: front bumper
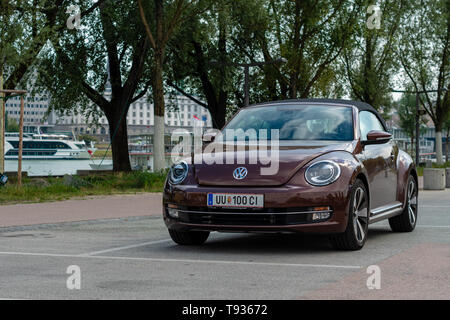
column 286, row 209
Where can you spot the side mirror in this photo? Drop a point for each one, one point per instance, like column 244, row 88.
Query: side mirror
column 209, row 137
column 377, row 137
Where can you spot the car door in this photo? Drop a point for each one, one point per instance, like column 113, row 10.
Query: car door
column 380, row 162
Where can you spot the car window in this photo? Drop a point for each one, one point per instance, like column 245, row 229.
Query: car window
column 297, row 122
column 368, row 122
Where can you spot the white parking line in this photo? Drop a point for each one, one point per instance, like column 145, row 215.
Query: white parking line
column 149, row 243
column 248, row 263
column 447, row 207
column 428, row 226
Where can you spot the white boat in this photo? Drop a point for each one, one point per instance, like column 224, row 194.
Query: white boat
column 46, row 147
column 101, row 167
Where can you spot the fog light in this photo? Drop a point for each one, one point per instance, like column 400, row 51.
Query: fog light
column 321, row 215
column 3, row 179
column 172, row 210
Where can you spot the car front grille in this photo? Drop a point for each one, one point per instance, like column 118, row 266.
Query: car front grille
column 247, row 217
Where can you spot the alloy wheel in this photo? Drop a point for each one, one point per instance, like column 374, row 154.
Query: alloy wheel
column 412, row 202
column 360, row 214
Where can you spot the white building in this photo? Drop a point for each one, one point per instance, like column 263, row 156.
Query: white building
column 181, row 112
column 35, row 109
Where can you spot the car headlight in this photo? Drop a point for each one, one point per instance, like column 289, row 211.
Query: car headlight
column 322, row 173
column 178, row 172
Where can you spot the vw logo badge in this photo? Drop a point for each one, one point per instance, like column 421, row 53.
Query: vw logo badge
column 240, row 173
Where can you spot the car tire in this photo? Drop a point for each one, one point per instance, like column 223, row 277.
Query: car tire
column 355, row 234
column 189, row 237
column 407, row 220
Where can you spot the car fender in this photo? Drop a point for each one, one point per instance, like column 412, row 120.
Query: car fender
column 405, row 167
column 351, row 169
column 351, row 166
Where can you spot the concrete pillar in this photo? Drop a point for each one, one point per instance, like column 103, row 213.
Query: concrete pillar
column 447, row 178
column 433, row 179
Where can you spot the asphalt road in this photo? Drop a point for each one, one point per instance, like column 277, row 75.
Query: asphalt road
column 133, row 258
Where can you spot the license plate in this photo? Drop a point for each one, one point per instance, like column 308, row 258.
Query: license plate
column 235, row 200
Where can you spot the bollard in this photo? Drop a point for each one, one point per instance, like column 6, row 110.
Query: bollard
column 433, row 179
column 447, row 178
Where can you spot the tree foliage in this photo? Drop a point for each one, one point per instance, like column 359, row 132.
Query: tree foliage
column 369, row 61
column 406, row 110
column 111, row 47
column 424, row 54
column 197, row 48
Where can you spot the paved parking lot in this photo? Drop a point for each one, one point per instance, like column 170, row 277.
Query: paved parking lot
column 133, row 258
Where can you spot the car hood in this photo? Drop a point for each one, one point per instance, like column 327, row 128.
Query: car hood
column 291, row 159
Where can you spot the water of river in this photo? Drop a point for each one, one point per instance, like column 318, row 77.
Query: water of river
column 52, row 167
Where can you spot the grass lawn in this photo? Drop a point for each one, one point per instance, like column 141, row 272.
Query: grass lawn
column 63, row 188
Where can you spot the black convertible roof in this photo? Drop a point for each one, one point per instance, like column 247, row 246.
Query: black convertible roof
column 362, row 106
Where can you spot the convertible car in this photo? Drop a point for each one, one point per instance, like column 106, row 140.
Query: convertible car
column 338, row 170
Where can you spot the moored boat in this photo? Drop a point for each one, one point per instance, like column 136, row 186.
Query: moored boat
column 46, row 147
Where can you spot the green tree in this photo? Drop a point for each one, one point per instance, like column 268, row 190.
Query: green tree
column 406, row 110
column 167, row 17
column 111, row 48
column 311, row 35
column 424, row 55
column 370, row 62
column 203, row 56
column 26, row 26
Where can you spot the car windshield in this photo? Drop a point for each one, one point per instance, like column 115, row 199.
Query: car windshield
column 297, row 122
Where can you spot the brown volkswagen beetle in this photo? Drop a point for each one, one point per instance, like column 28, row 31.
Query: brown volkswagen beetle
column 334, row 170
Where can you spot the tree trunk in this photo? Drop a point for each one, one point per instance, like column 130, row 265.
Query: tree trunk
column 158, row 97
column 119, row 141
column 439, row 147
column 220, row 113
